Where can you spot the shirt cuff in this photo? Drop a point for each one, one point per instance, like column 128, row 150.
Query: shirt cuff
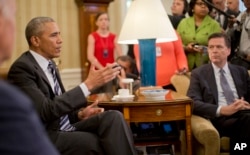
column 218, row 111
column 84, row 89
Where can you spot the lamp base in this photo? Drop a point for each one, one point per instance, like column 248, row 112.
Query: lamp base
column 147, row 62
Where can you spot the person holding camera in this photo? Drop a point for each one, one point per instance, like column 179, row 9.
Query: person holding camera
column 239, row 30
column 195, row 30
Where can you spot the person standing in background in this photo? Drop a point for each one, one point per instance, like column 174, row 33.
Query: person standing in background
column 170, row 60
column 222, row 5
column 179, row 8
column 195, row 30
column 102, row 44
column 233, row 5
column 239, row 31
column 233, row 9
column 220, row 18
column 21, row 132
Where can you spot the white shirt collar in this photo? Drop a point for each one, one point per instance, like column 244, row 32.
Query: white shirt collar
column 43, row 62
column 217, row 69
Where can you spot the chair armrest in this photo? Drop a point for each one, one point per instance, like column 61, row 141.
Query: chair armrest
column 205, row 134
column 3, row 73
column 181, row 83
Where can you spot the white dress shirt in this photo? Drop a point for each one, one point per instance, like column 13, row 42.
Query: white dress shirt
column 221, row 98
column 43, row 63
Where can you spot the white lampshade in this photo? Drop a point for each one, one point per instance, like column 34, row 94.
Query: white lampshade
column 146, row 19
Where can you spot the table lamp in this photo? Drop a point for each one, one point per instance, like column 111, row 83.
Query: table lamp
column 146, row 23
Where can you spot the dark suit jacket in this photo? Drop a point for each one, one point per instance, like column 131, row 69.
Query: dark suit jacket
column 21, row 132
column 203, row 89
column 175, row 20
column 27, row 74
column 229, row 12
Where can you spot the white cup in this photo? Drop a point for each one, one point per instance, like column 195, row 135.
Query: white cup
column 128, row 84
column 123, row 92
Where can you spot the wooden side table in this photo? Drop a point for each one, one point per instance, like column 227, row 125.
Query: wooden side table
column 175, row 107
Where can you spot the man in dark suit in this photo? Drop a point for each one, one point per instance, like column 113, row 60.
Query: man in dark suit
column 179, row 8
column 231, row 118
column 86, row 129
column 221, row 18
column 21, row 132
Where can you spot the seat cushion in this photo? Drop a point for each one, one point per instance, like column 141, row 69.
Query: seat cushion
column 224, row 144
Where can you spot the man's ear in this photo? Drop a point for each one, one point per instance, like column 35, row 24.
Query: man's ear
column 35, row 41
column 229, row 51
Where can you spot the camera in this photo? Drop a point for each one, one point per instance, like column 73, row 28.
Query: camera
column 116, row 66
column 201, row 47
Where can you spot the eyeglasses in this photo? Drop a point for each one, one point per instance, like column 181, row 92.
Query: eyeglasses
column 201, row 4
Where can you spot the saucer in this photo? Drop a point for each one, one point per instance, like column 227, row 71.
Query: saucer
column 123, row 98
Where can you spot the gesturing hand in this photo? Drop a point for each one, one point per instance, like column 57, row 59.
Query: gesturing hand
column 89, row 111
column 101, row 76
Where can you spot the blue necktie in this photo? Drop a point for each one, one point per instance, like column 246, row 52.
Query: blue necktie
column 227, row 91
column 64, row 123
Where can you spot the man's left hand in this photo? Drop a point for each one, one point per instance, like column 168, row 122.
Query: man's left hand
column 89, row 111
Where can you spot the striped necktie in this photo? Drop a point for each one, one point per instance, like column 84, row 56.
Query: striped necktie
column 64, row 120
column 227, row 91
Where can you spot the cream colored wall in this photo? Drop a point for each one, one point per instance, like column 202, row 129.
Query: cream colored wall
column 117, row 12
column 65, row 12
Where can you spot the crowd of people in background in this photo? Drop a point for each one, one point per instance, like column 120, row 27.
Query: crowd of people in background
column 194, row 21
column 195, row 30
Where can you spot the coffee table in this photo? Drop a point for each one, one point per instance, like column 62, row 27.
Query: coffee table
column 175, row 107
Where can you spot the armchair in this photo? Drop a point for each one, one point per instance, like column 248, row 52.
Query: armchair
column 206, row 139
column 3, row 73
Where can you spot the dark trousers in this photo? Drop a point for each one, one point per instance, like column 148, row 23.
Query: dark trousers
column 103, row 134
column 234, row 126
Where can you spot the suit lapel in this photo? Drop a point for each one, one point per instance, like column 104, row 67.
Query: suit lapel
column 212, row 82
column 235, row 76
column 39, row 70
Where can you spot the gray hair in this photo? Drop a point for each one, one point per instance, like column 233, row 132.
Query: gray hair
column 35, row 27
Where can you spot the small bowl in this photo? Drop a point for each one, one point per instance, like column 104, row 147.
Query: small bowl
column 154, row 93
